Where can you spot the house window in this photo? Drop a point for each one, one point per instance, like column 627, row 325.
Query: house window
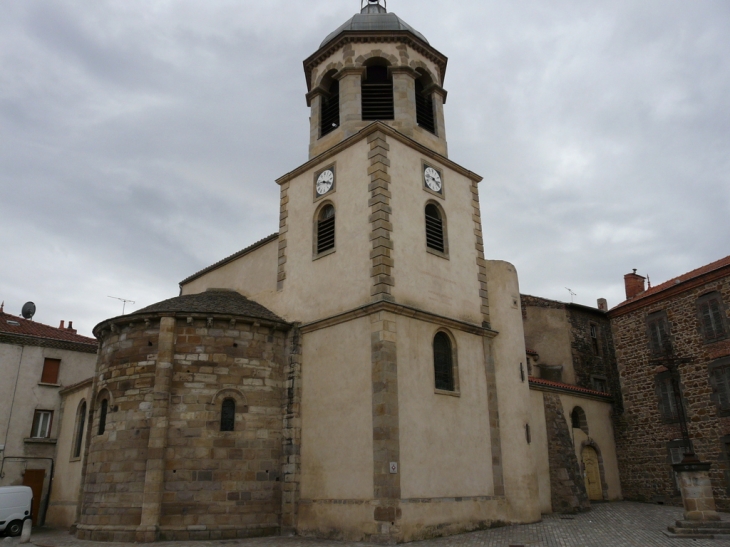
column 330, row 109
column 725, row 444
column 658, row 332
column 711, row 312
column 103, row 408
column 377, row 94
column 325, row 229
column 594, row 339
column 42, row 424
column 719, row 372
column 80, row 421
column 443, row 362
column 228, row 415
column 665, row 395
column 600, row 383
column 50, row 371
column 435, row 239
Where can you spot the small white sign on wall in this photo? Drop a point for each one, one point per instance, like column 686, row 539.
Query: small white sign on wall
column 393, row 467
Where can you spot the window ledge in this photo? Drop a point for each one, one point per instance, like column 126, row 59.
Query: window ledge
column 446, row 392
column 324, row 253
column 32, row 440
column 76, row 459
column 48, row 385
column 437, row 253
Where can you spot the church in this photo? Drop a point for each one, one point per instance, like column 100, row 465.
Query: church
column 361, row 374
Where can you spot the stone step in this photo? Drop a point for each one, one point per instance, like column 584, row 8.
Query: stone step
column 702, row 524
column 688, row 535
column 698, row 533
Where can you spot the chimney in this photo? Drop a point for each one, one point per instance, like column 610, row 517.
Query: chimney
column 61, row 325
column 71, row 328
column 634, row 284
column 602, row 304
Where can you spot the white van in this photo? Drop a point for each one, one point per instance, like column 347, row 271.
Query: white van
column 16, row 504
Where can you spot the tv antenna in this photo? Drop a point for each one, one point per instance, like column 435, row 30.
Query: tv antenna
column 572, row 294
column 124, row 302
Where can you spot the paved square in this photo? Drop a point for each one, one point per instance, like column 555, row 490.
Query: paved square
column 619, row 524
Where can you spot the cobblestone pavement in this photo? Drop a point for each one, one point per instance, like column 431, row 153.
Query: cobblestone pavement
column 619, row 524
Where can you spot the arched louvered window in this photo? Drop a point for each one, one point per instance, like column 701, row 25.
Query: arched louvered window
column 103, row 408
column 434, row 229
column 326, row 229
column 330, row 117
column 424, row 108
column 228, row 415
column 443, row 362
column 80, row 421
column 377, row 94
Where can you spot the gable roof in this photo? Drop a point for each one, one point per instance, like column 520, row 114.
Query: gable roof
column 231, row 258
column 19, row 326
column 695, row 274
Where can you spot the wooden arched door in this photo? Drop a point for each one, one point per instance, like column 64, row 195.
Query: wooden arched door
column 592, row 474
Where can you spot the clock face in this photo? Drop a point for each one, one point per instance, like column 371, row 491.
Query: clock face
column 432, row 179
column 325, row 180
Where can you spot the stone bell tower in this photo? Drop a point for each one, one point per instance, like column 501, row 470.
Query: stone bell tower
column 399, row 82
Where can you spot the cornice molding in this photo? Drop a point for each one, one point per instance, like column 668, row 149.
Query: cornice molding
column 363, row 134
column 398, row 309
column 418, row 45
column 575, row 393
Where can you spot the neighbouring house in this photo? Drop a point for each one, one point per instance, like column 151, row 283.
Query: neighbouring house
column 37, row 363
column 685, row 319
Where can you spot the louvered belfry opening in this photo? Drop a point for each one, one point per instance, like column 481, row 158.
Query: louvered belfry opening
column 434, row 228
column 330, row 118
column 424, row 108
column 443, row 364
column 326, row 229
column 377, row 94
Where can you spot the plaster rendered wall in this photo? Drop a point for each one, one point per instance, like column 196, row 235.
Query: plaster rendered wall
column 337, row 434
column 353, row 55
column 547, row 331
column 9, row 369
column 338, row 281
column 539, row 447
column 444, row 440
column 508, row 351
column 252, row 274
column 67, row 479
column 447, row 287
column 600, row 431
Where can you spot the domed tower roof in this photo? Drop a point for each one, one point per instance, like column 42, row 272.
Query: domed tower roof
column 373, row 17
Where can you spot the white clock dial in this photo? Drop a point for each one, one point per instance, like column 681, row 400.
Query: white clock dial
column 325, row 181
column 432, row 178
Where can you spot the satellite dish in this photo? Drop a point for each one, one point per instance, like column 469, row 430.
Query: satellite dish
column 28, row 310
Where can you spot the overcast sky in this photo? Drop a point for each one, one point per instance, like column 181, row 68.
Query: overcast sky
column 140, row 139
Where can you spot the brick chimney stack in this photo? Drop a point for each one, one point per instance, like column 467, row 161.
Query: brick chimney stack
column 62, row 324
column 71, row 328
column 634, row 284
column 602, row 304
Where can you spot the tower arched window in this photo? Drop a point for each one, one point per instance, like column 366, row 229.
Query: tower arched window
column 443, row 362
column 103, row 409
column 330, row 108
column 325, row 229
column 377, row 94
column 228, row 415
column 424, row 106
column 435, row 229
column 80, row 422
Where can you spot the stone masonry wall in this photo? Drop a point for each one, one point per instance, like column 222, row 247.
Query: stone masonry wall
column 642, row 439
column 567, row 489
column 214, row 484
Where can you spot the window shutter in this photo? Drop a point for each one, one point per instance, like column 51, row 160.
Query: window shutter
column 377, row 94
column 434, row 229
column 330, row 110
column 326, row 230
column 716, row 314
column 424, row 109
column 50, row 371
